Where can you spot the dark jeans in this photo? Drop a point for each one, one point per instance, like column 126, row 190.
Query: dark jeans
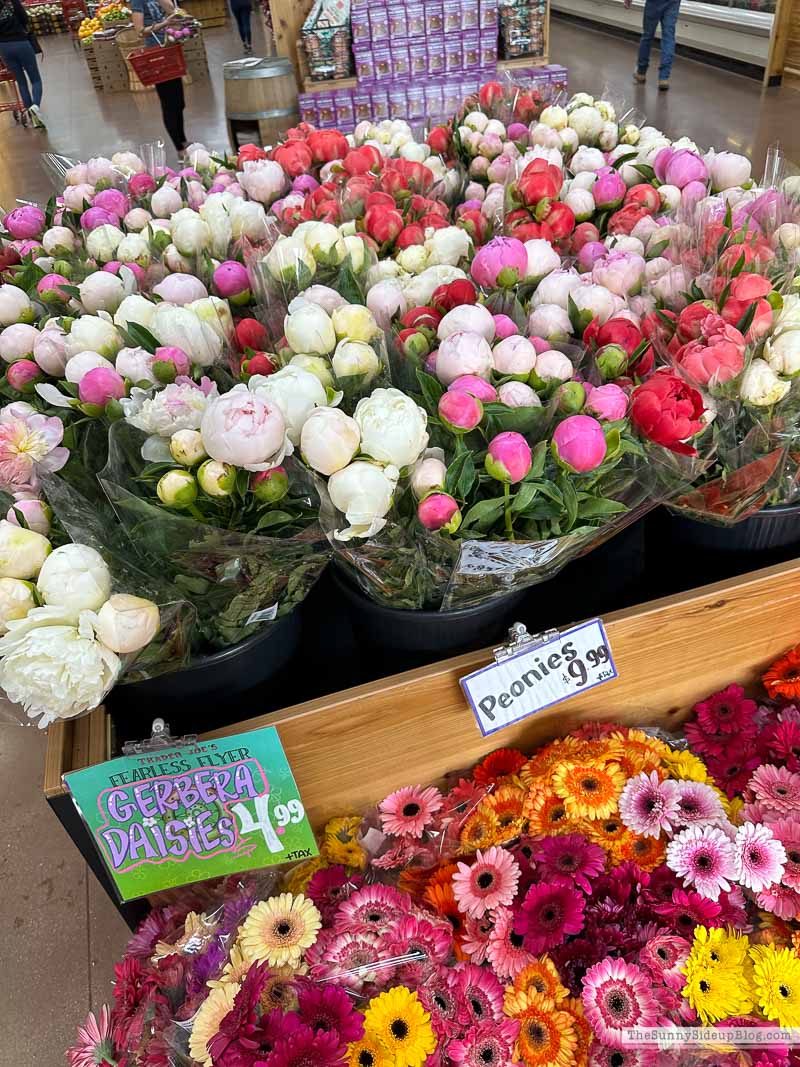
column 172, row 104
column 242, row 16
column 20, row 59
column 665, row 12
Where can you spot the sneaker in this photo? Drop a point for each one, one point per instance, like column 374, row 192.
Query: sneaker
column 35, row 117
column 663, row 85
column 639, row 77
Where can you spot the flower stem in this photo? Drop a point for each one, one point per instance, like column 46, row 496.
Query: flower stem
column 509, row 522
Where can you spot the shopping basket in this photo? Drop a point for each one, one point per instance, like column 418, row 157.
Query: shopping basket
column 158, row 64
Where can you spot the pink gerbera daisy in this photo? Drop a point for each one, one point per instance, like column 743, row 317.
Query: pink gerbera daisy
column 490, row 882
column 647, row 805
column 439, row 996
column 410, row 811
column 603, row 1056
column 703, row 857
column 305, row 1048
column 780, row 901
column 757, row 812
column 571, row 856
column 415, row 945
column 733, row 910
column 549, row 914
column 485, row 1045
column 328, row 1009
column 687, row 910
column 617, row 995
column 728, row 712
column 698, row 804
column 94, row 1046
column 787, row 832
column 480, row 992
column 663, row 957
column 475, row 941
column 505, row 951
column 758, row 857
column 350, row 959
column 777, row 788
column 371, row 909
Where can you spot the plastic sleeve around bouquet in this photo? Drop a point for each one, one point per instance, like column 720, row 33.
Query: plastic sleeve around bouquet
column 239, row 582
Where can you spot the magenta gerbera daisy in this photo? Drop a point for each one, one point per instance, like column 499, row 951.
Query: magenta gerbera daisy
column 488, row 883
column 731, row 769
column 505, row 951
column 571, row 856
column 777, row 788
column 617, row 995
column 603, row 1056
column 703, row 857
column 687, row 910
column 759, row 857
column 647, row 805
column 410, row 811
column 327, row 1008
column 348, row 958
column 698, row 804
column 485, row 1044
column 787, row 832
column 480, row 992
column 780, row 901
column 733, row 910
column 329, row 886
column 663, row 957
column 415, row 944
column 784, row 745
column 549, row 914
column 728, row 712
column 371, row 909
column 305, row 1048
column 439, row 996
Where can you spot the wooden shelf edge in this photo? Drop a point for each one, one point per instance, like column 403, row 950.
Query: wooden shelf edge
column 521, row 62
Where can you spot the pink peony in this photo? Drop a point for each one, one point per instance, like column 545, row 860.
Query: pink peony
column 113, row 201
column 683, row 167
column 500, row 263
column 100, row 385
column 98, row 216
column 460, row 411
column 23, row 375
column 579, row 443
column 439, row 511
column 477, row 387
column 245, row 430
column 508, row 458
column 607, row 402
column 25, row 222
column 504, row 327
column 231, row 282
column 28, row 439
column 170, row 361
column 141, row 184
column 716, row 356
column 609, row 190
column 35, row 513
column 462, row 353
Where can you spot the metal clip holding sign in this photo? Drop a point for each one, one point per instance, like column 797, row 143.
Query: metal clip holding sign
column 159, row 738
column 532, row 672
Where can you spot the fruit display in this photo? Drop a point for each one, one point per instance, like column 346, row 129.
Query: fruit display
column 88, row 27
column 46, row 19
column 113, row 13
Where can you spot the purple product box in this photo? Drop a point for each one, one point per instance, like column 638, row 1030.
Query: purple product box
column 345, row 113
column 359, row 25
column 398, row 108
column 415, row 19
column 451, row 98
column 434, row 17
column 488, row 46
column 365, row 66
column 380, row 104
column 416, row 103
column 470, row 15
column 451, row 14
column 379, row 23
column 398, row 28
column 434, row 102
column 400, row 60
column 436, row 55
column 382, row 64
column 308, row 108
column 362, row 106
column 453, row 57
column 488, row 14
column 472, row 85
column 471, row 48
column 326, row 110
column 418, row 59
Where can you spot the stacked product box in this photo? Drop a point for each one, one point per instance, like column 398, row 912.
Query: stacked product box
column 425, row 102
column 522, row 24
column 395, row 42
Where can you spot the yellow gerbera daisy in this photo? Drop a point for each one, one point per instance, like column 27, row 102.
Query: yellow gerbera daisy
column 207, row 1021
column 280, row 929
column 340, row 844
column 369, row 1052
column 716, row 994
column 573, row 1006
column 280, row 989
column 540, row 976
column 547, row 1037
column 684, row 765
column 507, row 803
column 716, row 947
column 398, row 1020
column 776, row 980
column 235, row 969
column 480, row 830
column 589, row 790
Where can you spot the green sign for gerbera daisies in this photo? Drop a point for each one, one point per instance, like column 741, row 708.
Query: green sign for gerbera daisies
column 190, row 812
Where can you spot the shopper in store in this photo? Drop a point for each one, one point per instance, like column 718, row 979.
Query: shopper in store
column 241, row 12
column 18, row 49
column 150, row 18
column 655, row 11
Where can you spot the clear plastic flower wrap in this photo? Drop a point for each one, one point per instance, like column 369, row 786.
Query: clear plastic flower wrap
column 244, row 548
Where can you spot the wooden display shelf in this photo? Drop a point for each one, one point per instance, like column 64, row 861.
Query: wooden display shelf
column 350, row 749
column 309, row 85
column 522, row 62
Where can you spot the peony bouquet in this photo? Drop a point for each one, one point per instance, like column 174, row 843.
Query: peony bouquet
column 529, row 911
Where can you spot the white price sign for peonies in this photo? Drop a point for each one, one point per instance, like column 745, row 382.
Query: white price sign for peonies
column 539, row 677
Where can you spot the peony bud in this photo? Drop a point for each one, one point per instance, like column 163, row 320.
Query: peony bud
column 612, row 362
column 100, row 385
column 22, row 552
column 355, row 358
column 518, row 395
column 23, row 375
column 36, row 515
column 579, row 443
column 477, row 387
column 508, row 458
column 571, row 398
column 17, row 342
column 16, row 600
column 460, row 411
column 514, row 356
column 186, row 447
column 463, row 353
column 355, row 323
column 232, row 283
column 504, row 327
column 428, row 473
column 607, row 402
column 329, row 440
column 552, row 365
column 270, row 486
column 127, row 623
column 76, row 578
column 216, row 479
column 439, row 511
column 177, row 489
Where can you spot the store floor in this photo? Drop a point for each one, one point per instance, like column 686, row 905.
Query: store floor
column 59, row 935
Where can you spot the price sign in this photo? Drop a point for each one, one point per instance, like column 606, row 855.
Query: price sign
column 539, row 677
column 183, row 814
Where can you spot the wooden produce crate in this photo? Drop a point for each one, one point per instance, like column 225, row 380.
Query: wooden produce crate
column 349, row 750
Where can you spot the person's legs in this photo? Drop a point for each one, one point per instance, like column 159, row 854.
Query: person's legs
column 649, row 26
column 31, row 68
column 669, row 21
column 244, row 26
column 170, row 94
column 10, row 51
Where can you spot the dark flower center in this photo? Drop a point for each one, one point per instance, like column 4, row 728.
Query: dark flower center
column 477, row 1007
column 485, row 880
column 784, row 991
column 611, row 827
column 781, row 790
column 410, row 810
column 616, row 1059
column 440, row 1002
column 365, row 1058
column 517, row 940
column 539, row 984
column 568, row 863
column 724, row 710
column 616, row 1004
column 690, row 806
column 661, row 953
column 650, row 805
column 374, row 917
column 590, row 785
column 399, row 1029
column 704, row 862
column 704, row 986
column 283, row 928
column 537, row 1035
column 486, row 1055
column 755, row 856
column 526, row 851
column 794, row 856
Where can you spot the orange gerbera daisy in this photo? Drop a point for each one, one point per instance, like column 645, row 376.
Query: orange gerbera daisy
column 498, row 765
column 783, row 677
column 604, row 832
column 441, row 875
column 442, row 899
column 589, row 790
column 542, row 762
column 546, row 1037
column 647, row 852
column 507, row 803
column 480, row 830
column 414, row 880
column 540, row 976
column 546, row 813
column 583, row 1031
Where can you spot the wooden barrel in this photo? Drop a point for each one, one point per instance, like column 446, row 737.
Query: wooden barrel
column 260, row 100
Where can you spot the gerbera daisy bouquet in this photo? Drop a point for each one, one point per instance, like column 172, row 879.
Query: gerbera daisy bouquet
column 528, row 912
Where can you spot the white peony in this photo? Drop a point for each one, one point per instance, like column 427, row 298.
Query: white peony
column 393, row 427
column 127, row 623
column 542, row 259
column 782, row 352
column 180, row 327
column 761, row 386
column 16, row 600
column 248, row 219
column 329, row 440
column 22, row 552
column 587, row 122
column 135, row 364
column 324, row 242
column 176, row 407
column 74, row 578
column 190, row 234
column 133, row 248
column 555, row 117
column 355, row 358
column 295, row 391
column 448, row 245
column 215, row 312
column 310, row 330
column 135, row 308
column 316, row 365
column 355, row 323
column 82, row 362
column 94, row 334
column 15, row 306
column 59, row 241
column 290, row 262
column 419, row 289
column 472, row 318
column 555, row 288
column 364, row 492
column 101, row 291
column 413, row 259
column 103, row 241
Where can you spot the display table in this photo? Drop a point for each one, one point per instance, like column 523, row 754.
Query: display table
column 349, row 748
